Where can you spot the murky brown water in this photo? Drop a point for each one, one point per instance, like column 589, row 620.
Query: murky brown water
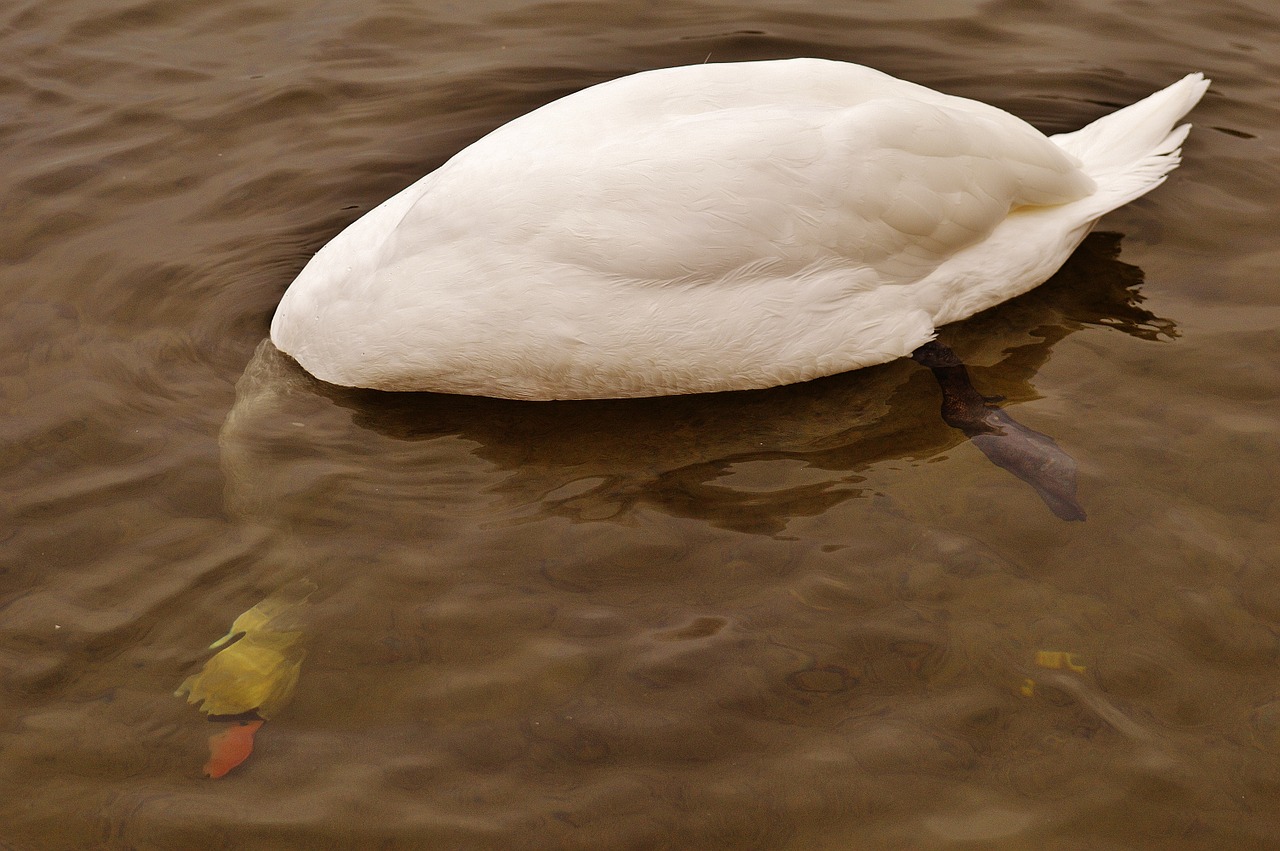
column 806, row 618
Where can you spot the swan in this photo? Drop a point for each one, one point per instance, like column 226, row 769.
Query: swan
column 712, row 227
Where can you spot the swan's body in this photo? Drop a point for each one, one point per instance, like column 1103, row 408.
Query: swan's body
column 712, row 227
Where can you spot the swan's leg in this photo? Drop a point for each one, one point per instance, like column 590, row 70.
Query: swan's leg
column 1031, row 456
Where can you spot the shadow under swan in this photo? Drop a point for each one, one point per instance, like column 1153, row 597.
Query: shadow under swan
column 303, row 454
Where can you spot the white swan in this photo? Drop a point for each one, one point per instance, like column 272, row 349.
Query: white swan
column 712, row 227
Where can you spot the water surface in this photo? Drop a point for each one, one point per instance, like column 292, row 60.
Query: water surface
column 812, row 617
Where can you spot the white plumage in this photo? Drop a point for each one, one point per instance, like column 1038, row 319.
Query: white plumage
column 712, row 227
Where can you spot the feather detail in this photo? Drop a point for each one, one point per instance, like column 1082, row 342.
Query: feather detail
column 712, row 227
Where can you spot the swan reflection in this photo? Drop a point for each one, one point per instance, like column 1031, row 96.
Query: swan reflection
column 313, row 456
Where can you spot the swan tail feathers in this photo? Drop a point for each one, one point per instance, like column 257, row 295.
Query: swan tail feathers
column 1131, row 151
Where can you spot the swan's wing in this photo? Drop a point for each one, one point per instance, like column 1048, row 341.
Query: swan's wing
column 894, row 185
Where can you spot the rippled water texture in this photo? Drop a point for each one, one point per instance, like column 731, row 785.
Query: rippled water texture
column 811, row 618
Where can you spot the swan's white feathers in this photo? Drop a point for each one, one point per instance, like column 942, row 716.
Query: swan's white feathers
column 707, row 228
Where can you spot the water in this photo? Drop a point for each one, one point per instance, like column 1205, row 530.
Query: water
column 803, row 618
